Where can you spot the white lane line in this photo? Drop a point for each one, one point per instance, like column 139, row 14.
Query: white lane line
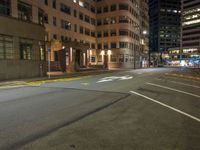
column 194, row 86
column 165, row 105
column 172, row 89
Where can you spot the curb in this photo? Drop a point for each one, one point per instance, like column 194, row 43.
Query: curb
column 182, row 76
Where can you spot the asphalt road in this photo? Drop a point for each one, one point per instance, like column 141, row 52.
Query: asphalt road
column 128, row 110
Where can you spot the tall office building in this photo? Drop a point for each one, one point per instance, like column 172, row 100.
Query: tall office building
column 98, row 32
column 164, row 24
column 191, row 31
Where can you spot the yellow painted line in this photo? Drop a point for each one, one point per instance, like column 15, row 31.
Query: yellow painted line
column 51, row 81
column 11, row 86
column 183, row 76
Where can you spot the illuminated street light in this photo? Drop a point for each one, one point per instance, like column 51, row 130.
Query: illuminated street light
column 102, row 52
column 109, row 52
column 144, row 32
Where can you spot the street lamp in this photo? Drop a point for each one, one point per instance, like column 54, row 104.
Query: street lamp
column 144, row 33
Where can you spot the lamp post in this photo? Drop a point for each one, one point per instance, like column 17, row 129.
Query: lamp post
column 143, row 33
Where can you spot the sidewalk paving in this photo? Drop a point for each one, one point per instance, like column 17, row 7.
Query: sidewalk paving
column 56, row 76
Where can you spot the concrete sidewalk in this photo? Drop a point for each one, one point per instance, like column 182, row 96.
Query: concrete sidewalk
column 56, row 76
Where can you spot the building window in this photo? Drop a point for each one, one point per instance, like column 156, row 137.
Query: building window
column 105, row 46
column 93, row 59
column 75, row 27
column 46, row 2
column 113, row 58
column 113, row 7
column 65, row 25
column 99, row 11
column 81, row 30
column 123, row 32
column 105, row 33
column 54, row 36
column 99, row 34
column 65, row 9
column 113, row 20
column 6, row 47
column 93, row 21
column 93, row 46
column 99, row 46
column 105, row 9
column 93, row 9
column 54, row 21
column 87, row 19
column 113, row 45
column 46, row 18
column 113, row 32
column 123, row 19
column 26, row 49
column 93, row 33
column 100, row 58
column 87, row 31
column 80, row 15
column 123, row 6
column 99, row 22
column 106, row 21
column 40, row 16
column 54, row 4
column 123, row 44
column 24, row 11
column 75, row 13
column 87, row 5
column 5, row 7
column 121, row 58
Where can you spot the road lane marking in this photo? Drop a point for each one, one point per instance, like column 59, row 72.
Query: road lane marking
column 172, row 89
column 12, row 86
column 85, row 84
column 167, row 106
column 195, row 86
column 114, row 78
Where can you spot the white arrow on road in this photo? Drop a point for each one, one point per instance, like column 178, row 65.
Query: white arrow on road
column 114, row 78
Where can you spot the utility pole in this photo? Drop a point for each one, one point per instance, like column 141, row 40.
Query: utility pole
column 49, row 62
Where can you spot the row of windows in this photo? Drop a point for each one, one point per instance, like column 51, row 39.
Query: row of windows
column 121, row 44
column 192, row 38
column 114, row 20
column 120, row 32
column 134, row 2
column 26, row 50
column 99, row 34
column 121, row 58
column 105, row 45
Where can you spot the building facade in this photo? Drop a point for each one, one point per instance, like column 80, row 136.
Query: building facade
column 191, row 32
column 22, row 51
column 164, row 24
column 109, row 32
column 79, row 33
